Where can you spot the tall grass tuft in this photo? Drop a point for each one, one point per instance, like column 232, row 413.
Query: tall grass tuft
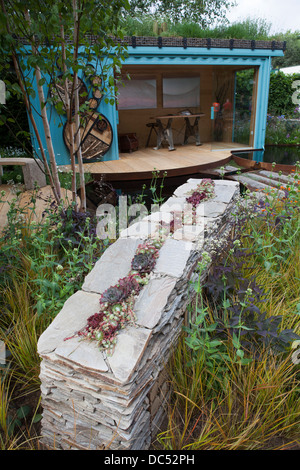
column 19, row 330
column 42, row 263
column 144, row 25
column 255, row 406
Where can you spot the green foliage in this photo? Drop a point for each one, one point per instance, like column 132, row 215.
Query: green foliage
column 281, row 131
column 258, row 29
column 203, row 12
column 42, row 263
column 280, row 94
column 156, row 187
column 51, row 256
column 145, row 25
column 42, row 32
column 138, row 25
column 14, row 418
column 292, row 53
column 153, row 196
column 14, row 128
column 255, row 407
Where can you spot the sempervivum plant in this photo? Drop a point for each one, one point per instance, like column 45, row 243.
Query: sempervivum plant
column 123, row 289
column 145, row 258
column 104, row 325
column 203, row 191
column 116, row 302
column 196, row 198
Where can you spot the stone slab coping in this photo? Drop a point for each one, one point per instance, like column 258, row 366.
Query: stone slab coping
column 149, row 307
column 17, row 161
column 53, row 342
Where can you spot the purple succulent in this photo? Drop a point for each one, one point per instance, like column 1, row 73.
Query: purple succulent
column 196, row 198
column 119, row 292
column 143, row 262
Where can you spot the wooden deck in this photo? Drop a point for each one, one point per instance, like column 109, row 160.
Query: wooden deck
column 139, row 165
column 32, row 211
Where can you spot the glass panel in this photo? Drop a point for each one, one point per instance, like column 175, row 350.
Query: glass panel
column 233, row 107
column 181, row 92
column 243, row 122
column 137, row 94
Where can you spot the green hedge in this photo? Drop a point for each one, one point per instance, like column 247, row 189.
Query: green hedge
column 280, row 95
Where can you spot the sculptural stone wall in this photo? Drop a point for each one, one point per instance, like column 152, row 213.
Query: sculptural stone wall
column 92, row 400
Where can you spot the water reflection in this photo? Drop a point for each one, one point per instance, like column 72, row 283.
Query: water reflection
column 279, row 155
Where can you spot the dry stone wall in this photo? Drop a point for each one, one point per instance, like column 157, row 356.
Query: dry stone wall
column 93, row 400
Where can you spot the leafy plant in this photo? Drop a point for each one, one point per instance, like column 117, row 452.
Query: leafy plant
column 282, row 130
column 157, row 186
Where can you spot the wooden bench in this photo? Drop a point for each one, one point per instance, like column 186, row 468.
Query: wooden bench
column 33, row 171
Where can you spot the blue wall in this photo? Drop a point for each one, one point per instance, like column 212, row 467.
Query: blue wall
column 57, row 122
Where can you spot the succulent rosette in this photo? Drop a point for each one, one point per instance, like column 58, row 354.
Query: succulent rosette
column 116, row 302
column 203, row 192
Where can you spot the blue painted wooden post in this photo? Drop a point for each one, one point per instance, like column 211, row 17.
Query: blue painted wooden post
column 262, row 103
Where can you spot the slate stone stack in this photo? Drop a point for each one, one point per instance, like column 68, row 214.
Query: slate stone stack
column 92, row 400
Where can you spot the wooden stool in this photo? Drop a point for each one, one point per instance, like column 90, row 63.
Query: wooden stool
column 152, row 126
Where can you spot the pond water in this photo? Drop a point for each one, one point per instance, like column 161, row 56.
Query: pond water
column 281, row 155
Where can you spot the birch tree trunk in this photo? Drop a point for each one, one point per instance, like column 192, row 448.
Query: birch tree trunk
column 78, row 149
column 45, row 120
column 68, row 107
column 47, row 133
column 55, row 190
column 77, row 116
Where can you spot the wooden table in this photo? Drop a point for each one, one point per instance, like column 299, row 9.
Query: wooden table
column 165, row 132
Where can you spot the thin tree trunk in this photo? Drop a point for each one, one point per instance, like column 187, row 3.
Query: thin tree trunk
column 45, row 120
column 56, row 190
column 47, row 133
column 56, row 193
column 68, row 106
column 77, row 117
column 78, row 150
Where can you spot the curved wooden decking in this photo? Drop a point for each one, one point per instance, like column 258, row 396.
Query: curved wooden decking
column 140, row 164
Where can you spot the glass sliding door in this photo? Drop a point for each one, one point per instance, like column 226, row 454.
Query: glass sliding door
column 233, row 107
column 244, row 106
